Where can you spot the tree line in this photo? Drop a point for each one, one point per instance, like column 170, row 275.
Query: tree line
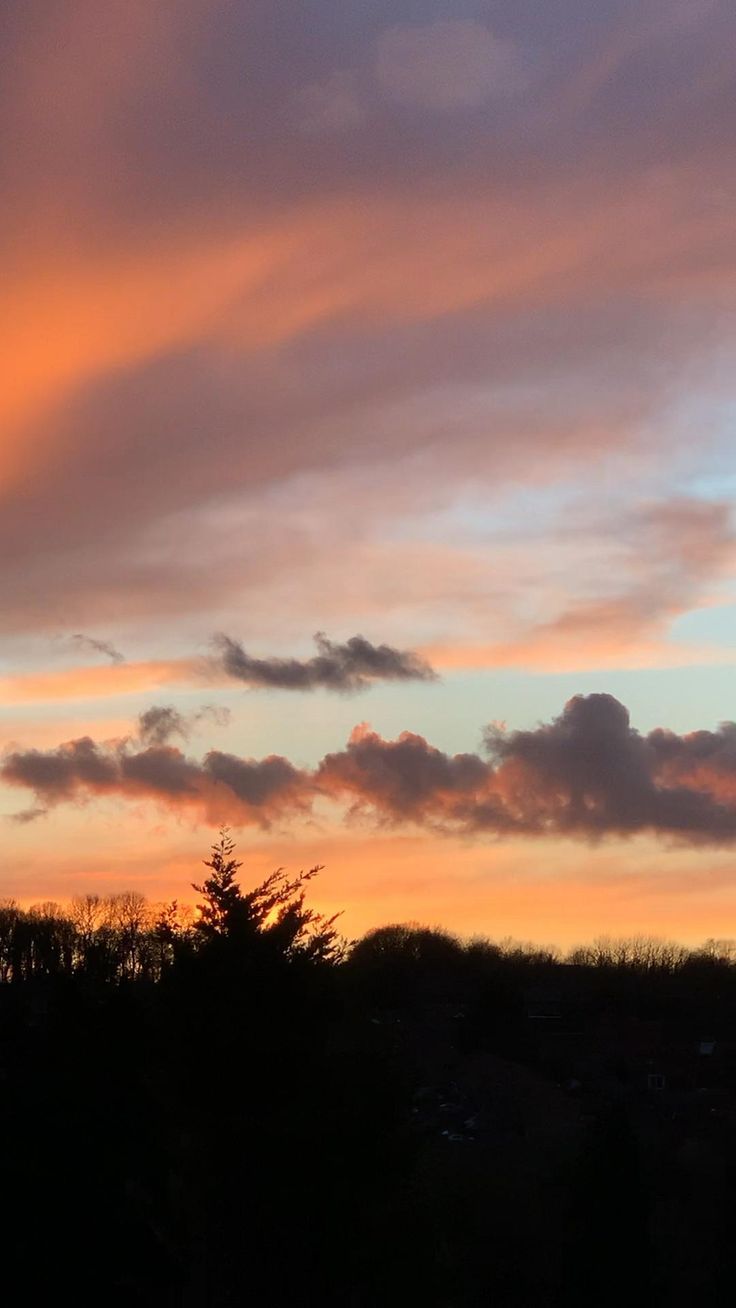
column 122, row 937
column 233, row 1105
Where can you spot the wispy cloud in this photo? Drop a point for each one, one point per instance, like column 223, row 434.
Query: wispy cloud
column 82, row 642
column 159, row 723
column 25, row 816
column 625, row 582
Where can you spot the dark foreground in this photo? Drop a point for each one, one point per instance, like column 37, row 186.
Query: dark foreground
column 240, row 1114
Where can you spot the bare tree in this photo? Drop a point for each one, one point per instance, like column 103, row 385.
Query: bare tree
column 10, row 914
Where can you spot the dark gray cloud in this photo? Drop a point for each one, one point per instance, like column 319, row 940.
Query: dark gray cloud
column 158, row 724
column 259, row 783
column 59, row 774
column 351, row 666
column 220, row 787
column 587, row 774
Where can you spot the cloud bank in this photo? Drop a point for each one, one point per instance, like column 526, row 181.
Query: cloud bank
column 586, row 775
column 499, row 245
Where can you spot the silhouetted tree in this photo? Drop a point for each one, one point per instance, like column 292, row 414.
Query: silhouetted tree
column 10, row 916
column 275, row 911
column 167, row 934
column 223, row 898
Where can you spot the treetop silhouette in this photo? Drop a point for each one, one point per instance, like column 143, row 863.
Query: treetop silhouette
column 276, row 910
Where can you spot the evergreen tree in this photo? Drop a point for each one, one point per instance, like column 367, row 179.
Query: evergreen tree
column 224, row 904
column 274, row 911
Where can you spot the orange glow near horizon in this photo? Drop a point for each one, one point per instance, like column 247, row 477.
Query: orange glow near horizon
column 557, row 895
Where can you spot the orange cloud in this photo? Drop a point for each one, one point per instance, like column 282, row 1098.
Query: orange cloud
column 553, row 652
column 70, row 316
column 103, row 681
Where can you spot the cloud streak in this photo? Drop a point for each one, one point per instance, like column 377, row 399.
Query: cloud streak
column 101, row 681
column 626, row 582
column 81, row 641
column 586, row 775
column 347, row 667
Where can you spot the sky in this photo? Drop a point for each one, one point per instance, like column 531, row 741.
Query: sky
column 367, row 465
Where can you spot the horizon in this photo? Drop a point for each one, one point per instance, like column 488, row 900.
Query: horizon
column 367, row 459
column 723, row 948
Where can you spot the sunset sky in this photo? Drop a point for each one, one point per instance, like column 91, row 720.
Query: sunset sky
column 407, row 325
